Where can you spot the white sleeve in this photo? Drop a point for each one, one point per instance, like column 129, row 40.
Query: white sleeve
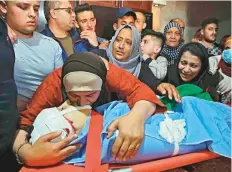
column 159, row 67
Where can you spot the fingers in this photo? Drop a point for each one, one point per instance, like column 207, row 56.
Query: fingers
column 116, row 146
column 136, row 149
column 161, row 89
column 123, row 150
column 85, row 37
column 85, row 33
column 64, row 105
column 169, row 91
column 63, row 143
column 112, row 128
column 223, row 89
column 49, row 137
column 131, row 151
column 175, row 93
column 219, row 88
column 88, row 33
column 68, row 151
column 90, row 36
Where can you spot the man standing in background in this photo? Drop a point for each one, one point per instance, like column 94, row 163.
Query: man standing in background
column 209, row 30
column 86, row 21
column 140, row 22
column 60, row 17
column 125, row 16
column 35, row 54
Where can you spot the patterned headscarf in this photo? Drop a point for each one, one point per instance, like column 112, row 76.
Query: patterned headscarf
column 169, row 52
column 133, row 64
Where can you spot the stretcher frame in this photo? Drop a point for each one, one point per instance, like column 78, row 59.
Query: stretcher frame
column 93, row 160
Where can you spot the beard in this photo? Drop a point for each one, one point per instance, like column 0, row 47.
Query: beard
column 210, row 40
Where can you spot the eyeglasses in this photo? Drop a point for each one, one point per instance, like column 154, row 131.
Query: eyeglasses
column 68, row 10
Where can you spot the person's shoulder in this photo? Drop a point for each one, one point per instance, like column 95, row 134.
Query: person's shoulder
column 51, row 85
column 100, row 52
column 42, row 36
column 54, row 75
column 202, row 43
column 161, row 59
column 47, row 40
column 75, row 34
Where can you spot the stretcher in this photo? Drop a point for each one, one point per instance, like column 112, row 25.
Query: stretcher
column 93, row 160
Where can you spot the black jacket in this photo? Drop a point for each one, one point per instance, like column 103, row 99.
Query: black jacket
column 147, row 77
column 204, row 80
column 8, row 91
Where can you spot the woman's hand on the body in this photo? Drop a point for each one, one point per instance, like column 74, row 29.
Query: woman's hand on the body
column 170, row 90
column 129, row 139
column 44, row 153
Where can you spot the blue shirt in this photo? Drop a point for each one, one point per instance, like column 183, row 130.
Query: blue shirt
column 35, row 58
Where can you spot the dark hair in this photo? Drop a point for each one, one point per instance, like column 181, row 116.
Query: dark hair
column 132, row 14
column 198, row 50
column 222, row 42
column 198, row 34
column 48, row 5
column 129, row 14
column 209, row 21
column 82, row 8
column 141, row 13
column 153, row 33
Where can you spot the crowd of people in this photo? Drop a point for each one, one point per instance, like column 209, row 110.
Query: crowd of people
column 43, row 70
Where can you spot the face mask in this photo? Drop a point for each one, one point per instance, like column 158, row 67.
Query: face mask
column 227, row 56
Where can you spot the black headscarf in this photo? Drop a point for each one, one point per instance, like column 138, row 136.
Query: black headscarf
column 195, row 49
column 87, row 62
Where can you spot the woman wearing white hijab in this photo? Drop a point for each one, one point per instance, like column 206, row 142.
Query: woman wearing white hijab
column 124, row 51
